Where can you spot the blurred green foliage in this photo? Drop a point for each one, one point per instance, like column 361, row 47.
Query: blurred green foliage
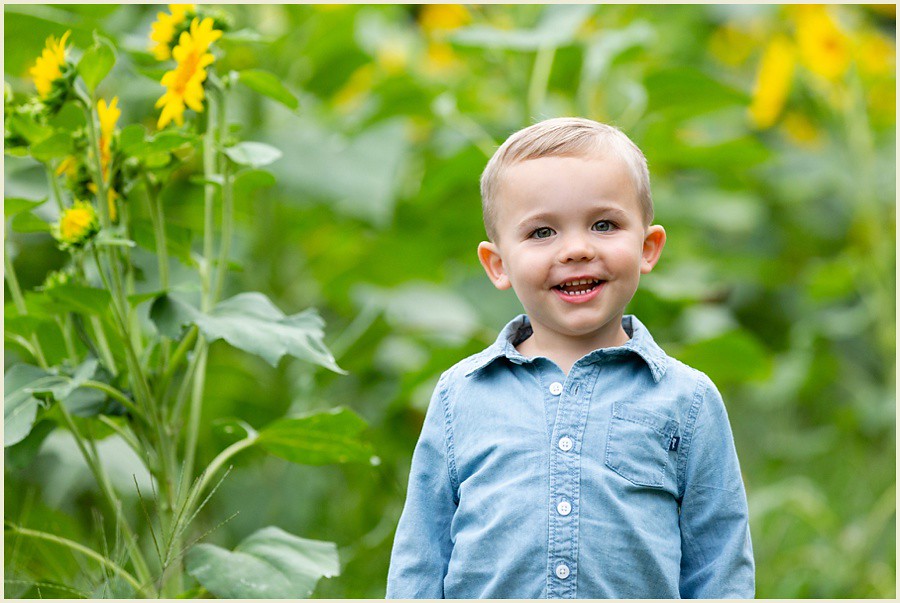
column 778, row 278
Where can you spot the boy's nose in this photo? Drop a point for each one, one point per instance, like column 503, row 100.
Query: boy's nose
column 576, row 248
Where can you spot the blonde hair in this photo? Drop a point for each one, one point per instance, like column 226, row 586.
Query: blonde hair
column 563, row 137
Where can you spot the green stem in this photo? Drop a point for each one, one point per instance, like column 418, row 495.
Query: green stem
column 128, row 438
column 186, row 381
column 66, row 329
column 193, row 427
column 164, row 446
column 211, row 471
column 103, row 345
column 85, row 551
column 15, row 291
column 159, row 231
column 131, row 356
column 114, row 394
column 178, row 355
column 134, row 325
column 223, row 166
column 99, row 334
column 95, row 166
column 102, row 480
column 54, row 187
column 209, row 168
column 227, row 229
column 540, row 78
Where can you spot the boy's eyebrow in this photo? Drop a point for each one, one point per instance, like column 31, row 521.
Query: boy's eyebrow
column 546, row 216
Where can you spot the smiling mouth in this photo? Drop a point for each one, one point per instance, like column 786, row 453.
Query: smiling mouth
column 579, row 287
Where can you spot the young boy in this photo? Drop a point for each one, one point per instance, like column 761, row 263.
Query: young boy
column 573, row 457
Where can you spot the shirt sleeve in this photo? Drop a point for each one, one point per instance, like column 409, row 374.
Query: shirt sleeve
column 716, row 553
column 422, row 543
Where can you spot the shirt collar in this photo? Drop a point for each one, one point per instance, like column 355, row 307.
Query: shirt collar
column 519, row 328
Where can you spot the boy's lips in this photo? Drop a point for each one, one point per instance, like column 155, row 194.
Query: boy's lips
column 579, row 289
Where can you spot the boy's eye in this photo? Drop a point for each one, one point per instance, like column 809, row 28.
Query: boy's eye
column 604, row 226
column 541, row 233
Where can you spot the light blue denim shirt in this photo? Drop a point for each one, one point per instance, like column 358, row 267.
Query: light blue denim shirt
column 619, row 480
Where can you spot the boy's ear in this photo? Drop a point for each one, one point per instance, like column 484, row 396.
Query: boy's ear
column 654, row 241
column 489, row 256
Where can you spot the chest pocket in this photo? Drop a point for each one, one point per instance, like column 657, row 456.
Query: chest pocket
column 638, row 445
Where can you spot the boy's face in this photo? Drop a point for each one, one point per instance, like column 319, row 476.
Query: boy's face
column 572, row 244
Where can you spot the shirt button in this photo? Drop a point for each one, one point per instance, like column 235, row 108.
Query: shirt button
column 565, row 444
column 562, row 571
column 564, row 508
column 556, row 388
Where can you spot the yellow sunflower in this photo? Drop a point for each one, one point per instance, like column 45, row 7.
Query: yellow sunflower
column 824, row 48
column 47, row 67
column 77, row 225
column 184, row 84
column 108, row 115
column 773, row 82
column 163, row 30
column 443, row 17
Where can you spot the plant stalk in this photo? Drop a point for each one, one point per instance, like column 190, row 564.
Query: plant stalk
column 142, row 590
column 102, row 480
column 103, row 345
column 9, row 272
column 540, row 78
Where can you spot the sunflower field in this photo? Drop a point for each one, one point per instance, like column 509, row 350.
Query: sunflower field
column 240, row 249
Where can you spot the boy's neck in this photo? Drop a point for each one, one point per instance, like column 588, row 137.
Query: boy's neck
column 565, row 351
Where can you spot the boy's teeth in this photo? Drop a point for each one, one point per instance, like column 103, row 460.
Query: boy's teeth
column 567, row 286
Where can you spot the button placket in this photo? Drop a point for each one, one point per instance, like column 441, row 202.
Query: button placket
column 565, row 476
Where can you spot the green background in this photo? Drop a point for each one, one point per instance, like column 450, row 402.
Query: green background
column 778, row 278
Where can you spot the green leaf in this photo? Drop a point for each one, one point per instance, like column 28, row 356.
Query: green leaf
column 131, row 139
column 164, row 142
column 23, row 325
column 83, row 372
column 96, row 63
column 55, row 145
column 85, row 300
column 317, row 439
column 251, row 322
column 31, row 130
column 138, row 298
column 178, row 240
column 170, row 315
column 17, row 205
column 733, row 357
column 18, row 456
column 28, row 222
column 254, row 154
column 248, row 181
column 19, row 404
column 269, row 85
column 424, row 308
column 557, row 27
column 269, row 564
column 232, row 430
column 360, row 176
column 685, row 91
